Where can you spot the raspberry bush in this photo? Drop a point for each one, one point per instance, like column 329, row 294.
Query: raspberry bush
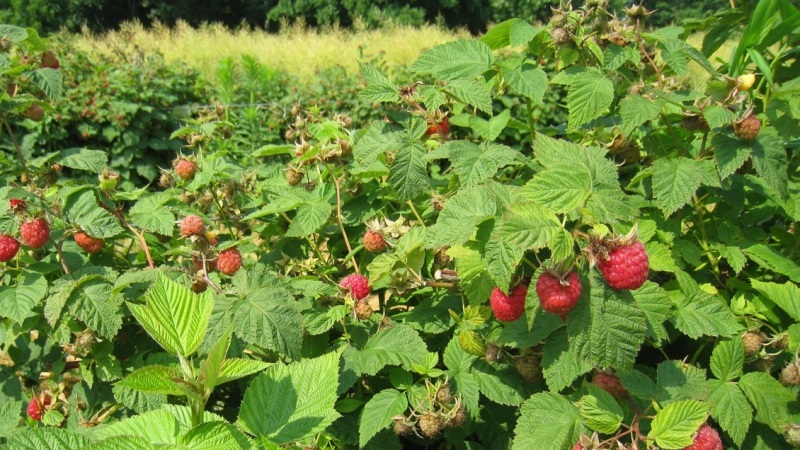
column 457, row 273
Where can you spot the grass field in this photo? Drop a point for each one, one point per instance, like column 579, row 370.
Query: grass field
column 297, row 50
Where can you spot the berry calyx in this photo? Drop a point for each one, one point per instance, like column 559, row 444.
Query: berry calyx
column 36, row 407
column 192, row 225
column 363, row 310
column 706, row 438
column 186, row 168
column 611, row 384
column 35, row 233
column 747, row 129
column 558, row 295
column 8, row 247
column 373, row 241
column 509, row 308
column 357, row 284
column 625, row 267
column 88, row 243
column 229, row 261
column 16, row 205
column 752, row 340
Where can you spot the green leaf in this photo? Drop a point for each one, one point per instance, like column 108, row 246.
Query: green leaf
column 729, row 154
column 730, row 408
column 674, row 425
column 49, row 81
column 81, row 207
column 98, row 307
column 654, row 302
column 121, row 443
column 680, row 381
column 784, row 295
column 561, row 189
column 674, row 182
column 769, row 397
column 500, row 386
column 474, row 277
column 475, row 164
column 174, row 316
column 46, row 438
column 400, row 345
column 461, row 214
column 473, row 93
column 559, row 366
column 600, row 411
column 409, row 173
column 235, row 368
column 606, row 328
column 771, row 259
column 547, row 418
column 718, row 116
column 526, row 225
column 379, row 412
column 770, row 161
column 727, row 359
column 499, row 35
column 290, row 403
column 209, row 367
column 311, row 216
column 526, row 79
column 84, row 159
column 369, row 149
column 161, row 427
column 154, row 380
column 701, row 314
column 636, row 110
column 464, row 58
column 590, row 95
column 216, row 436
column 17, row 303
column 318, row 322
column 638, row 384
column 672, row 51
column 149, row 214
column 379, row 88
column 9, row 416
column 500, row 260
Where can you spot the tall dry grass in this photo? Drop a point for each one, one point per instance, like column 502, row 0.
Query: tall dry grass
column 296, row 49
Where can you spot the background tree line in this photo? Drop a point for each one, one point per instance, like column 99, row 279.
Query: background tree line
column 475, row 15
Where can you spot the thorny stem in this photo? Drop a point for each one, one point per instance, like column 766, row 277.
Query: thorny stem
column 339, row 220
column 142, row 242
column 18, row 149
column 205, row 275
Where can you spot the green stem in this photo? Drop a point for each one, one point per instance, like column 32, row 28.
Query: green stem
column 18, row 149
column 416, row 214
column 698, row 207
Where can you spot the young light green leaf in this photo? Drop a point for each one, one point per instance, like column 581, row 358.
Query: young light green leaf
column 674, row 425
column 730, row 408
column 600, row 411
column 784, row 295
column 154, row 380
column 291, row 402
column 400, row 346
column 216, row 435
column 727, row 359
column 174, row 316
column 379, row 88
column 547, row 417
column 463, row 58
column 235, row 368
column 379, row 412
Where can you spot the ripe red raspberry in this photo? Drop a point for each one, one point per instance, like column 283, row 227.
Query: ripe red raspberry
column 186, row 168
column 611, row 384
column 35, row 233
column 509, row 308
column 17, row 205
column 443, row 126
column 8, row 247
column 358, row 285
column 50, row 61
column 558, row 296
column 706, row 438
column 36, row 406
column 747, row 128
column 88, row 243
column 192, row 225
column 626, row 267
column 229, row 261
column 374, row 242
